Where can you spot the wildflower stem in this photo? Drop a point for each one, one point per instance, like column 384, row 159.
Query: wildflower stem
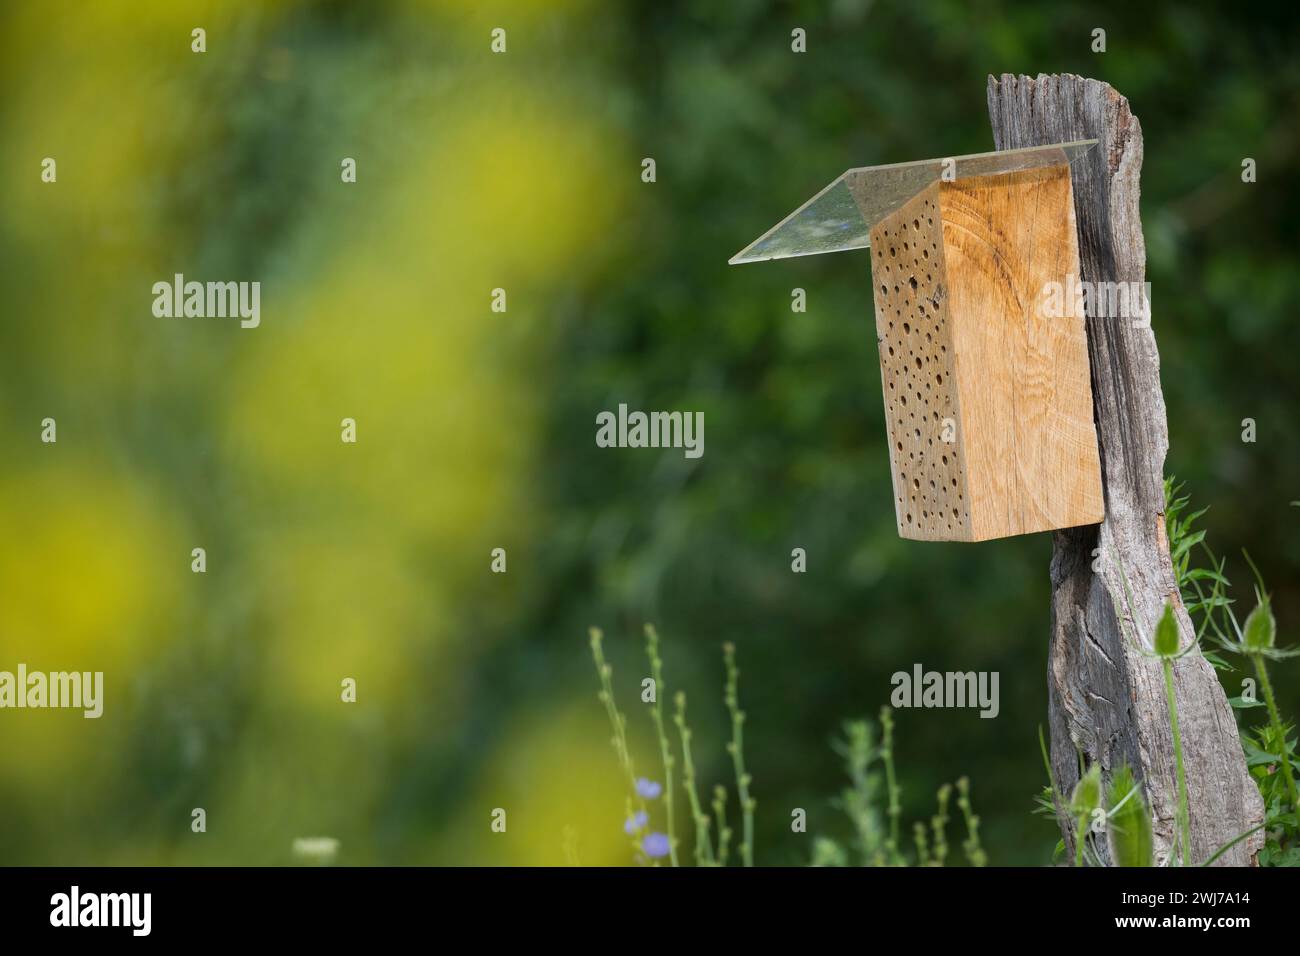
column 1233, row 842
column 665, row 751
column 1184, row 823
column 939, row 826
column 606, row 695
column 974, row 852
column 619, row 724
column 922, row 851
column 724, row 831
column 703, row 846
column 891, row 784
column 859, row 752
column 1266, row 685
column 737, row 749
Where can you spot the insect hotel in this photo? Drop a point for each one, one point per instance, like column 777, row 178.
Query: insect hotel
column 983, row 352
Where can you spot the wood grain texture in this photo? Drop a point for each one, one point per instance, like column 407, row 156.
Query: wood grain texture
column 1032, row 459
column 987, row 396
column 1106, row 699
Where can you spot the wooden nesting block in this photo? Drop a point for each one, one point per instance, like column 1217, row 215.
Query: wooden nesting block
column 988, row 399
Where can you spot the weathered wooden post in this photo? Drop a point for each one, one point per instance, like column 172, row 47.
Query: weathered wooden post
column 1107, row 700
column 992, row 390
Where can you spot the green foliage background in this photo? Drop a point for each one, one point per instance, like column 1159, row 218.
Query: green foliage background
column 521, row 171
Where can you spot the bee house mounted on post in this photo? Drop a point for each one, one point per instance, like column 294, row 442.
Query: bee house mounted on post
column 983, row 351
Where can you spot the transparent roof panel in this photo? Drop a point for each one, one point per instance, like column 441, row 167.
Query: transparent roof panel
column 841, row 215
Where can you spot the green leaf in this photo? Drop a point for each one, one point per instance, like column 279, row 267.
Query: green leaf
column 1187, row 543
column 1058, row 853
column 1290, row 857
column 1217, row 662
column 1261, row 757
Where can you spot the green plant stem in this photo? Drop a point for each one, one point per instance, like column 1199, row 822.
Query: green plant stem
column 724, row 831
column 665, row 751
column 1184, row 823
column 971, row 845
column 1266, row 685
column 1231, row 843
column 922, row 850
column 703, row 846
column 939, row 826
column 619, row 724
column 737, row 749
column 894, row 808
column 859, row 752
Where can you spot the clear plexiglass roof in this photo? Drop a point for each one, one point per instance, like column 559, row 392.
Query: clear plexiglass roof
column 841, row 215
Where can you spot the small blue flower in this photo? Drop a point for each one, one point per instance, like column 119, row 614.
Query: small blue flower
column 648, row 789
column 635, row 822
column 655, row 846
